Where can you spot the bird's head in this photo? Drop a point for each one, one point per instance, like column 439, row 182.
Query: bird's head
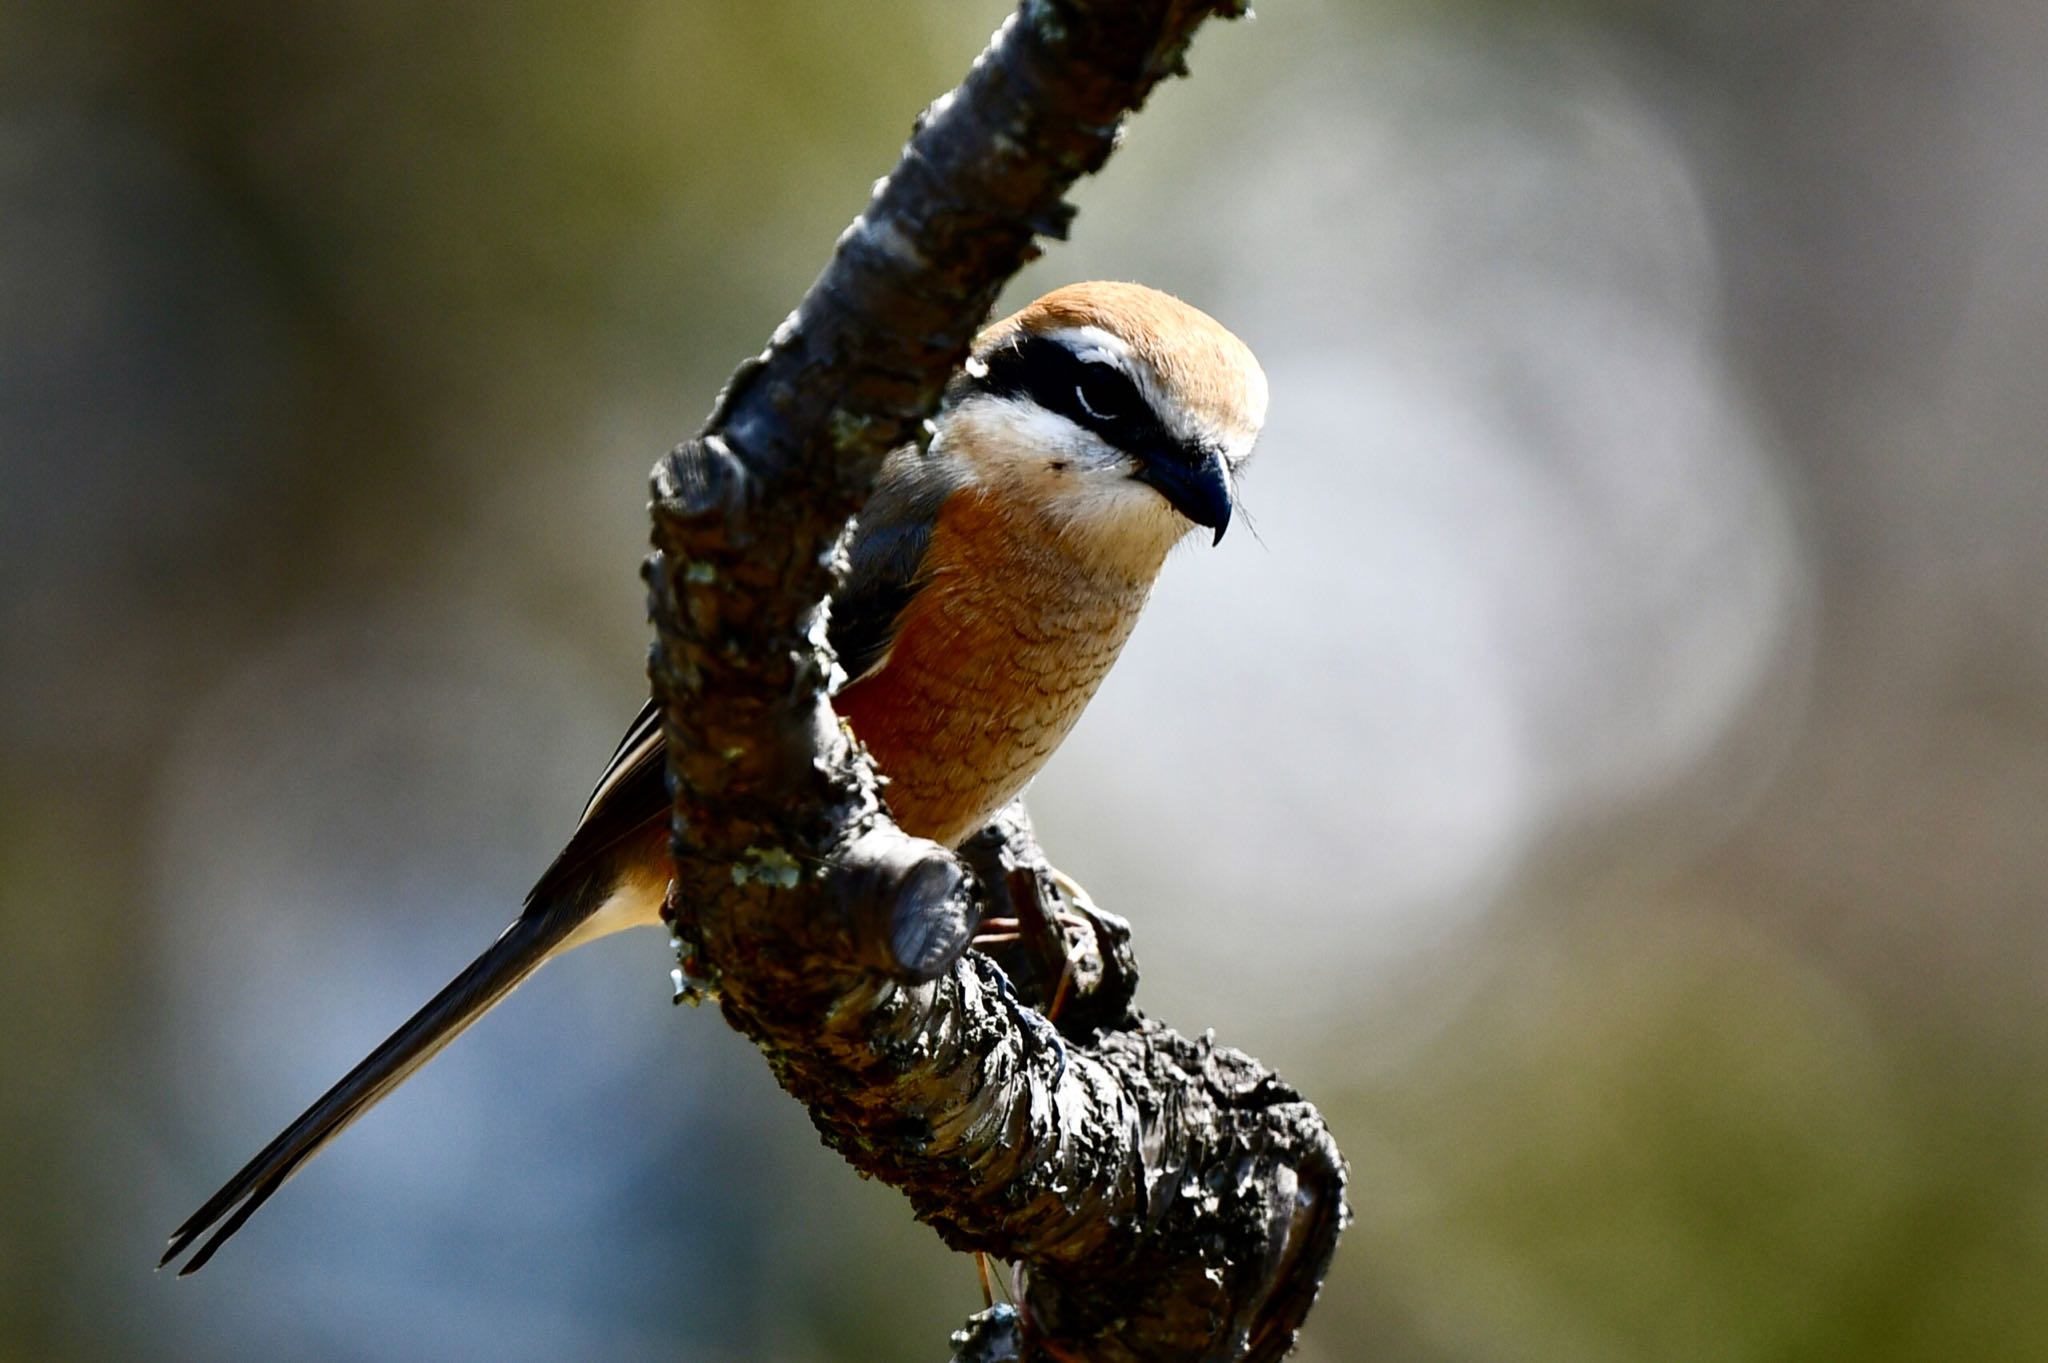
column 1121, row 414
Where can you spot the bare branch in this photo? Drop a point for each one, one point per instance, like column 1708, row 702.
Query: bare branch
column 1164, row 1198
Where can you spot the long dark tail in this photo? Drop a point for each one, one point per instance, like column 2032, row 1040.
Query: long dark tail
column 518, row 952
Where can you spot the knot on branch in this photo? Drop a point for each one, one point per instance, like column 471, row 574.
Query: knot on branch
column 909, row 904
column 701, row 487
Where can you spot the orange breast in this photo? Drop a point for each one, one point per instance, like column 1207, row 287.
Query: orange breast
column 994, row 660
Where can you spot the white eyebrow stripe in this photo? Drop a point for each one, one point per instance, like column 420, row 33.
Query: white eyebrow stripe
column 1093, row 343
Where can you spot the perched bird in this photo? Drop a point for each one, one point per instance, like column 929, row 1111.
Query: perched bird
column 994, row 577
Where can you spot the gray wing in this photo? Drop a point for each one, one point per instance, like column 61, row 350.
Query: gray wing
column 886, row 558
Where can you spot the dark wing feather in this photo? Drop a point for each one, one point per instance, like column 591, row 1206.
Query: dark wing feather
column 882, row 582
column 886, row 559
column 630, row 796
column 642, row 736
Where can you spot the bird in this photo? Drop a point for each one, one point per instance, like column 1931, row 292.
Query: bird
column 991, row 579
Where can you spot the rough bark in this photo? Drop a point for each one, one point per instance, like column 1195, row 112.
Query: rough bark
column 1162, row 1198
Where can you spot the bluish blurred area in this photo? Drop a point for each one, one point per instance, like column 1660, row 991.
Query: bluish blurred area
column 1611, row 775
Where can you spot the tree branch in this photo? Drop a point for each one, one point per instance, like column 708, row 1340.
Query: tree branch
column 1165, row 1199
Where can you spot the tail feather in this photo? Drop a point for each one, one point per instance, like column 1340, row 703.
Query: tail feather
column 520, row 950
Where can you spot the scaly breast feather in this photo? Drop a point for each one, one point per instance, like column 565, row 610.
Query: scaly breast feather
column 994, row 659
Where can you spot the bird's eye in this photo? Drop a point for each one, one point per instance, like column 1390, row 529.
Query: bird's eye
column 1102, row 393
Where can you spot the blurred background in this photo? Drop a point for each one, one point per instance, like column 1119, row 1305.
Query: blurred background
column 1611, row 780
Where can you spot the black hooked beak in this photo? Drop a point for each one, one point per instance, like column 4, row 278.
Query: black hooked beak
column 1195, row 482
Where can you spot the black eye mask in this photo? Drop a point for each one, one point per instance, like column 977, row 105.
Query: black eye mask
column 1094, row 394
